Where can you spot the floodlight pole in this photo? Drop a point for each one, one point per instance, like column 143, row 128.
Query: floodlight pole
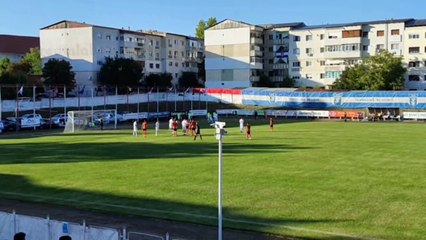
column 220, row 188
column 219, row 136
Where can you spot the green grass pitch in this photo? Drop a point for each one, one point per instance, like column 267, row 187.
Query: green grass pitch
column 327, row 180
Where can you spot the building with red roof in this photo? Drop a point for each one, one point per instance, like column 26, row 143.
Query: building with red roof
column 15, row 47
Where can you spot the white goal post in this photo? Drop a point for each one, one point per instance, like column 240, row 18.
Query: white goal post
column 91, row 120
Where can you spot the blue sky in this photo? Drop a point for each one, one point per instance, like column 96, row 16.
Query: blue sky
column 26, row 17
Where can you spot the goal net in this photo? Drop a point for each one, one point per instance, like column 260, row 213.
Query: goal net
column 91, row 120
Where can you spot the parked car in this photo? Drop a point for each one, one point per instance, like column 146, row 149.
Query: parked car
column 31, row 120
column 107, row 118
column 10, row 125
column 58, row 120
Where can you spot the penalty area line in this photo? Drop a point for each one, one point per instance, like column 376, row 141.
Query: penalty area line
column 185, row 214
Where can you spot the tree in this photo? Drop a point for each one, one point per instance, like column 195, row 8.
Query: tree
column 4, row 65
column 383, row 71
column 203, row 25
column 158, row 80
column 121, row 72
column 33, row 59
column 59, row 72
column 288, row 82
column 188, row 79
column 202, row 71
column 264, row 81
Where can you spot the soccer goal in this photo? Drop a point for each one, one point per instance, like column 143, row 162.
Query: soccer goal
column 91, row 120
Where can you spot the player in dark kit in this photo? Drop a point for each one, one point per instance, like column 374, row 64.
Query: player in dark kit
column 248, row 131
column 197, row 131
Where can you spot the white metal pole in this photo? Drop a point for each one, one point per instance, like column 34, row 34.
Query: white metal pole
column 1, row 105
column 65, row 100
column 175, row 98
column 138, row 100
column 92, row 105
column 158, row 100
column 220, row 189
column 34, row 111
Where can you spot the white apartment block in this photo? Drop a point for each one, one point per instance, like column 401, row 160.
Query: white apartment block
column 415, row 55
column 86, row 46
column 233, row 54
column 315, row 56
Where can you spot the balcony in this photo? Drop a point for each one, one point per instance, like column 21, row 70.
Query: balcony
column 280, row 66
column 254, row 53
column 277, row 78
column 254, row 78
column 256, row 41
column 280, row 41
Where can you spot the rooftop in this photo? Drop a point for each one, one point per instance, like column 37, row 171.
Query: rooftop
column 18, row 44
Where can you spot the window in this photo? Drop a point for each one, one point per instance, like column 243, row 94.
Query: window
column 308, row 37
column 394, row 46
column 395, row 32
column 321, row 36
column 308, row 76
column 414, row 64
column 296, row 51
column 271, row 49
column 322, row 63
column 151, row 65
column 271, row 61
column 365, row 34
column 380, row 33
column 413, row 78
column 364, row 47
column 322, row 50
column 296, row 64
column 108, row 37
column 413, row 36
column 351, row 34
column 296, row 38
column 309, row 51
column 157, row 66
column 322, row 75
column 333, row 74
column 333, row 35
column 176, row 64
column 296, row 77
column 308, row 63
column 271, row 37
column 176, row 75
column 413, row 50
column 99, row 36
column 380, row 47
column 170, row 64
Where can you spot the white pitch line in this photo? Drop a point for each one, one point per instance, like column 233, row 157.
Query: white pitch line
column 189, row 214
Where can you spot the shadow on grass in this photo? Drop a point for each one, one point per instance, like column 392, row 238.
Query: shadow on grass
column 21, row 188
column 52, row 152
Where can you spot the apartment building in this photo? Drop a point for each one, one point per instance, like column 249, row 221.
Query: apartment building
column 15, row 47
column 86, row 46
column 234, row 54
column 276, row 50
column 315, row 56
column 415, row 55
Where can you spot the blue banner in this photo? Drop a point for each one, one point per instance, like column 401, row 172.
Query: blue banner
column 324, row 100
